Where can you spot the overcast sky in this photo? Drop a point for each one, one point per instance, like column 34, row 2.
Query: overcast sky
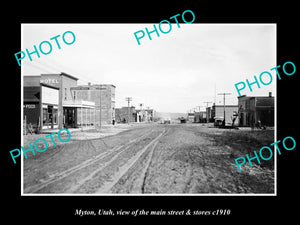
column 175, row 72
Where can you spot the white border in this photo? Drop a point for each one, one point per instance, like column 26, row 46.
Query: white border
column 22, row 114
column 217, row 194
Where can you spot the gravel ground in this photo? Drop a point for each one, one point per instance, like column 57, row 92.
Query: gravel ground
column 151, row 159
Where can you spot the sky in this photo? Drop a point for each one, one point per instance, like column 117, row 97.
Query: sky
column 175, row 72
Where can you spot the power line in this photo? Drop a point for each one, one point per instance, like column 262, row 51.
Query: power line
column 224, row 94
column 37, row 66
column 52, row 66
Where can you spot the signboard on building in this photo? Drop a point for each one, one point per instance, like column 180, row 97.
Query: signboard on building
column 30, row 106
column 49, row 95
column 50, row 79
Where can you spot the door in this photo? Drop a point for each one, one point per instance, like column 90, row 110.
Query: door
column 69, row 117
column 50, row 116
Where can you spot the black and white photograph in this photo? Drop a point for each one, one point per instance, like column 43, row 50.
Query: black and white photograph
column 149, row 113
column 161, row 116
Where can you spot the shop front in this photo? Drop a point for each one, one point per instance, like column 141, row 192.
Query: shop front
column 70, row 117
column 50, row 101
column 50, row 114
column 31, row 106
column 40, row 104
column 78, row 113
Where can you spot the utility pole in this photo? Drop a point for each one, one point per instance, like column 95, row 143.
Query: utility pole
column 128, row 99
column 224, row 102
column 100, row 103
column 207, row 117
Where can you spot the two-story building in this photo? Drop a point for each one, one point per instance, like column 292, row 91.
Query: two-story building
column 103, row 95
column 49, row 102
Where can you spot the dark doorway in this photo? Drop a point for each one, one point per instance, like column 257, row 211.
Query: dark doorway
column 70, row 117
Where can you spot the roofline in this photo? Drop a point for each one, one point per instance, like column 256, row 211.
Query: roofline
column 86, row 85
column 62, row 74
column 31, row 76
column 227, row 105
column 92, row 85
column 68, row 75
column 263, row 96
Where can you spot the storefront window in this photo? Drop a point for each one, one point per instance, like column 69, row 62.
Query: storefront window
column 50, row 115
column 55, row 116
column 45, row 122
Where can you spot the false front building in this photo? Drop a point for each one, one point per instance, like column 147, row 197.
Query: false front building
column 255, row 109
column 49, row 102
column 230, row 111
column 103, row 95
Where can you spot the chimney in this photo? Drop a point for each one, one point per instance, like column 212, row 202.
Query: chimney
column 270, row 94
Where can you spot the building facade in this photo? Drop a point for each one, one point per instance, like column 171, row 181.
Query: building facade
column 49, row 102
column 103, row 95
column 41, row 104
column 256, row 109
column 200, row 117
column 230, row 113
column 144, row 115
column 190, row 117
column 125, row 114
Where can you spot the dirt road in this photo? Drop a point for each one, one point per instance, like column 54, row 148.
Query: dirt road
column 147, row 159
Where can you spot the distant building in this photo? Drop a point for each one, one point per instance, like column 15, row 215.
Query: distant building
column 144, row 115
column 125, row 113
column 256, row 108
column 230, row 111
column 103, row 95
column 200, row 117
column 190, row 117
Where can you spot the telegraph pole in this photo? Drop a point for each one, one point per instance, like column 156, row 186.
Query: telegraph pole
column 100, row 104
column 128, row 99
column 207, row 117
column 224, row 102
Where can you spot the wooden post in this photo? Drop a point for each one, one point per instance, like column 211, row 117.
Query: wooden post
column 39, row 129
column 25, row 130
column 81, row 124
column 90, row 117
column 85, row 117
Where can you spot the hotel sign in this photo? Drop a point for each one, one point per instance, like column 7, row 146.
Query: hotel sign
column 49, row 81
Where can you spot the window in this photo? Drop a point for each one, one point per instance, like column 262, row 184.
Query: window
column 55, row 114
column 45, row 121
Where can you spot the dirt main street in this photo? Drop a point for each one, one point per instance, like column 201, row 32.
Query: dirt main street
column 153, row 158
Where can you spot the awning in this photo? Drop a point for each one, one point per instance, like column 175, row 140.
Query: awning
column 79, row 104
